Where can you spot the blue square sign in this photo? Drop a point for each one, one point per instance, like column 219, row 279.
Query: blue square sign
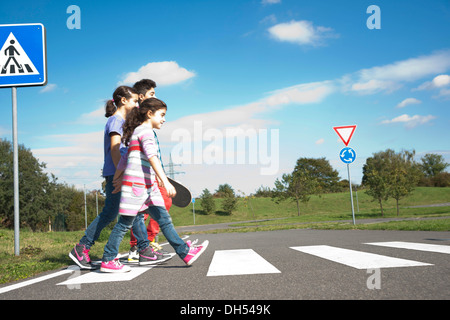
column 23, row 59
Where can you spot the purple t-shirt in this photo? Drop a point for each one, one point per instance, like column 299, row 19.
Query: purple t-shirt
column 113, row 125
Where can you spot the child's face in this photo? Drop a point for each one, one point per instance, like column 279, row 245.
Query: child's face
column 149, row 94
column 158, row 118
column 130, row 103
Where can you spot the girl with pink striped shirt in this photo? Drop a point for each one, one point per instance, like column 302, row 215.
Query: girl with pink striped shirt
column 138, row 171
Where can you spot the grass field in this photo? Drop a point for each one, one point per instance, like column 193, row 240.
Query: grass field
column 48, row 251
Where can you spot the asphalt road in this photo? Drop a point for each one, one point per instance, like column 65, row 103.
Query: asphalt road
column 298, row 275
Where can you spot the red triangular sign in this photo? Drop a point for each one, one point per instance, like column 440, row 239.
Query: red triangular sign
column 345, row 133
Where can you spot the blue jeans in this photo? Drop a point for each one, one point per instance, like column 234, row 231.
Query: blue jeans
column 122, row 226
column 108, row 214
column 160, row 215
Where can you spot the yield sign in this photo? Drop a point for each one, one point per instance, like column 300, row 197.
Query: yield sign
column 345, row 133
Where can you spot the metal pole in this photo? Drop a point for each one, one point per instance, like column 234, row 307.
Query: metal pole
column 351, row 194
column 16, row 174
column 85, row 209
column 193, row 210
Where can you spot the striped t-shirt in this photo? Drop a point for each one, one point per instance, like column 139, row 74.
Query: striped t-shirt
column 139, row 187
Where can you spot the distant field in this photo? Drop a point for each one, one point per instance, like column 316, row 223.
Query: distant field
column 325, row 207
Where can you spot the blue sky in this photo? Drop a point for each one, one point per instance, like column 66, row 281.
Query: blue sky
column 287, row 71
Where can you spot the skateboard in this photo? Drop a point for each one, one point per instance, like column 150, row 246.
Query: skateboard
column 183, row 196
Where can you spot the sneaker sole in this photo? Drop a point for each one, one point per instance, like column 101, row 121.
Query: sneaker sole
column 204, row 245
column 71, row 256
column 133, row 260
column 123, row 270
column 143, row 263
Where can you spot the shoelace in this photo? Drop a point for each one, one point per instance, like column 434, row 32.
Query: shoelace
column 155, row 245
column 190, row 243
column 86, row 254
column 116, row 262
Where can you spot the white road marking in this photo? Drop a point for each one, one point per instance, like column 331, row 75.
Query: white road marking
column 98, row 276
column 239, row 262
column 357, row 259
column 36, row 280
column 414, row 246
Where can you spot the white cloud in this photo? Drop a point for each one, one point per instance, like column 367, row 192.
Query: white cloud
column 391, row 77
column 49, row 87
column 373, row 86
column 437, row 82
column 249, row 115
column 441, row 80
column 410, row 122
column 408, row 101
column 320, row 141
column 270, row 1
column 82, row 154
column 300, row 32
column 163, row 73
column 94, row 117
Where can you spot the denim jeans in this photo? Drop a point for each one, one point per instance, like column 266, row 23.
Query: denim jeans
column 122, row 226
column 108, row 214
column 160, row 215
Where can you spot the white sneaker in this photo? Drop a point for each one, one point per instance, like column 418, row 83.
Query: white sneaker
column 133, row 255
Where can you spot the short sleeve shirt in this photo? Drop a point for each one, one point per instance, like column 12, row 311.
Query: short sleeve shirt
column 113, row 125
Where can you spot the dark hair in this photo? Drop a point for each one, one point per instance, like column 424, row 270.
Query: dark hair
column 121, row 92
column 142, row 86
column 138, row 115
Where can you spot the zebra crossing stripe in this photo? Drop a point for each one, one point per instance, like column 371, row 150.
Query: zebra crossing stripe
column 239, row 262
column 414, row 246
column 97, row 276
column 357, row 259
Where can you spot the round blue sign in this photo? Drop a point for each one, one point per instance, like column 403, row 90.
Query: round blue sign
column 347, row 155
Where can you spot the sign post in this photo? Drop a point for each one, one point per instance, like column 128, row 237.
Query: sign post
column 193, row 208
column 347, row 155
column 16, row 173
column 23, row 63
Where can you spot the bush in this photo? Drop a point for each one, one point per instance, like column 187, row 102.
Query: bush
column 208, row 204
column 229, row 203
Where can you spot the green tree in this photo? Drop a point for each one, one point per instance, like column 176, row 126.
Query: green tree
column 433, row 164
column 208, row 204
column 229, row 202
column 224, row 190
column 404, row 175
column 35, row 189
column 376, row 172
column 321, row 170
column 297, row 186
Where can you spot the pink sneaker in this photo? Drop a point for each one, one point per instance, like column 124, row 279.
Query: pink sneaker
column 114, row 266
column 195, row 251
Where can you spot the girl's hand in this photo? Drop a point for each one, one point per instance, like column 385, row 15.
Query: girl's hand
column 117, row 181
column 171, row 192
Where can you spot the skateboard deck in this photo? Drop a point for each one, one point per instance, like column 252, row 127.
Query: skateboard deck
column 183, row 196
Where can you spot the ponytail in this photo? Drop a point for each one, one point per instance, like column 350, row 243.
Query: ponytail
column 121, row 92
column 110, row 108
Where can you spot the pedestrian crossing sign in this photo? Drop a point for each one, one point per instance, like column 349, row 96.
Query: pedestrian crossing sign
column 22, row 55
